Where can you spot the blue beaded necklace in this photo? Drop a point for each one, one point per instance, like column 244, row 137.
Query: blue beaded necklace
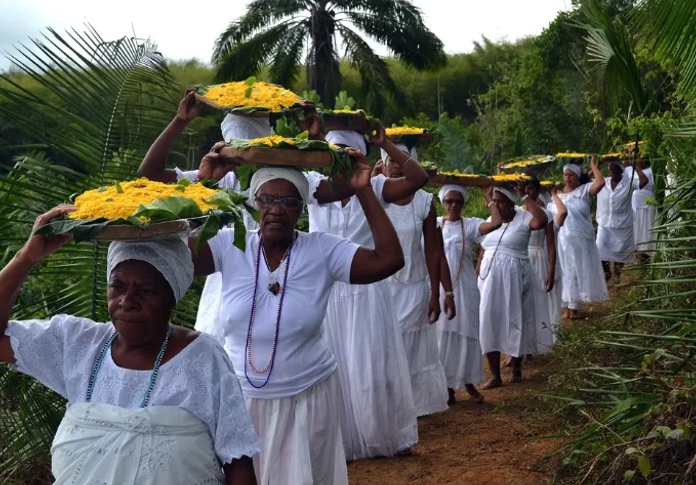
column 153, row 376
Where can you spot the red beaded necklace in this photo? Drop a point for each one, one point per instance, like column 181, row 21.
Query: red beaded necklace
column 249, row 361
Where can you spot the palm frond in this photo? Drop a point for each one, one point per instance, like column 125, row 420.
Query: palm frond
column 285, row 67
column 374, row 73
column 260, row 14
column 458, row 153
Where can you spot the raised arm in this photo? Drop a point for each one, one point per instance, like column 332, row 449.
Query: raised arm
column 599, row 181
column 539, row 217
column 496, row 221
column 642, row 178
column 561, row 209
column 371, row 265
column 414, row 176
column 154, row 165
column 432, row 261
column 13, row 275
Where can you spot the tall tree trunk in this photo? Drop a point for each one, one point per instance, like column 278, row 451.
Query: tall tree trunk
column 323, row 73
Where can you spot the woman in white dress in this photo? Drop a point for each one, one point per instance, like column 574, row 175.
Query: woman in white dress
column 644, row 214
column 274, row 299
column 458, row 338
column 378, row 416
column 415, row 292
column 615, row 237
column 510, row 304
column 148, row 403
column 583, row 276
column 543, row 255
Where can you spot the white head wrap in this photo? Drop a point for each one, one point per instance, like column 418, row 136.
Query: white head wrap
column 352, row 139
column 618, row 164
column 170, row 256
column 400, row 146
column 446, row 189
column 576, row 169
column 292, row 175
column 244, row 127
column 510, row 194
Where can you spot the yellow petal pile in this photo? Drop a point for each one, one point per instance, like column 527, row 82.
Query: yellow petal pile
column 109, row 203
column 547, row 183
column 263, row 95
column 457, row 173
column 513, row 177
column 278, row 141
column 404, row 130
column 521, row 163
column 572, row 155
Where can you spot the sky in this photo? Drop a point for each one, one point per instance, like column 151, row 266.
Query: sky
column 182, row 34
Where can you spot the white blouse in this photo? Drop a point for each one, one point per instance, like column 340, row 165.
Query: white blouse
column 641, row 195
column 316, row 261
column 579, row 221
column 614, row 204
column 512, row 238
column 60, row 353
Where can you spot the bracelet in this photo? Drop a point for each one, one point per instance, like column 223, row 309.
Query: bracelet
column 525, row 198
column 491, row 203
column 449, row 293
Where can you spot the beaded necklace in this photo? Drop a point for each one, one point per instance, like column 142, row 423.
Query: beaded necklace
column 271, row 361
column 462, row 255
column 483, row 278
column 153, row 375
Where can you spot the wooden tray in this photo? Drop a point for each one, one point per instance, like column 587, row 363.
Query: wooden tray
column 534, row 170
column 135, row 233
column 263, row 113
column 279, row 157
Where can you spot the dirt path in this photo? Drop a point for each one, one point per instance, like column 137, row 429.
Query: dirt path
column 495, row 443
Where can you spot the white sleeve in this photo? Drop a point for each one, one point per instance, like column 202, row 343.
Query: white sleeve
column 233, row 432
column 338, row 255
column 471, row 229
column 378, row 187
column 48, row 350
column 314, row 179
column 190, row 175
column 220, row 245
column 526, row 218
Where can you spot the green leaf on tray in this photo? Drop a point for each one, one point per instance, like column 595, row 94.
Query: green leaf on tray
column 169, row 209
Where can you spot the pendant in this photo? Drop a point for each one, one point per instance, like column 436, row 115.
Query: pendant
column 274, row 287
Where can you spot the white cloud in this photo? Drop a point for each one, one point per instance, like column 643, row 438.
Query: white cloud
column 183, row 33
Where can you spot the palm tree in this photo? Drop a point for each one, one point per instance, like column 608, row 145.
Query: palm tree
column 108, row 102
column 278, row 33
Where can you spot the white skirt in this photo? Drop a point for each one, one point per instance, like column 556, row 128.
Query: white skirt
column 643, row 221
column 410, row 304
column 300, row 437
column 458, row 339
column 616, row 244
column 378, row 416
column 511, row 304
column 583, row 275
column 540, row 262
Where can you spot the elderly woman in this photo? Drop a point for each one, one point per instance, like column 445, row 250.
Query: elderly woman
column 148, row 403
column 415, row 291
column 458, row 338
column 378, row 416
column 510, row 304
column 615, row 238
column 274, row 299
column 583, row 277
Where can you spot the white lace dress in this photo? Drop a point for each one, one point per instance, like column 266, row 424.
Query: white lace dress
column 378, row 416
column 195, row 421
column 539, row 257
column 458, row 339
column 410, row 293
column 583, row 276
column 511, row 296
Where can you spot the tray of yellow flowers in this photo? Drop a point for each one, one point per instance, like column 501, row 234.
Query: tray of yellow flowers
column 348, row 119
column 249, row 98
column 410, row 136
column 475, row 180
column 298, row 152
column 574, row 157
column 533, row 165
column 143, row 209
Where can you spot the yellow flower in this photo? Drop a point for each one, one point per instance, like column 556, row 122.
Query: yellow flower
column 263, row 95
column 547, row 183
column 613, row 155
column 110, row 203
column 572, row 155
column 513, row 177
column 522, row 163
column 272, row 141
column 457, row 173
column 404, row 130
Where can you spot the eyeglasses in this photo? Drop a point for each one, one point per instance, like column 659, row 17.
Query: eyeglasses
column 289, row 202
column 453, row 201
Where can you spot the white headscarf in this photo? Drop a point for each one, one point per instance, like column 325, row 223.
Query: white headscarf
column 510, row 194
column 292, row 175
column 400, row 146
column 170, row 256
column 576, row 169
column 352, row 139
column 618, row 164
column 446, row 189
column 244, row 127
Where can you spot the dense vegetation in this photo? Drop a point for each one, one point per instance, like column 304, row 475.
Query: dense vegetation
column 606, row 73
